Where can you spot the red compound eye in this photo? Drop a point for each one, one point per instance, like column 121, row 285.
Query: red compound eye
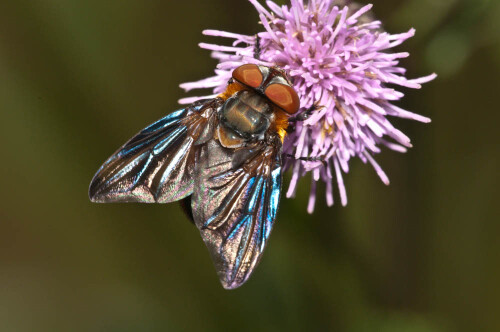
column 284, row 97
column 249, row 75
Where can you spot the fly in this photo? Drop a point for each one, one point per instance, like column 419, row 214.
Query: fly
column 222, row 158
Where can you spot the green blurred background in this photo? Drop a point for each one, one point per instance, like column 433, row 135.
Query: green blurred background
column 80, row 77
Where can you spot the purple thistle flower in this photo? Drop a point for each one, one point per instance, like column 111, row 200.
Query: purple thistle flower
column 340, row 59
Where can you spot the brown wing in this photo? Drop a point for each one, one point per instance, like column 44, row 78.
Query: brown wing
column 157, row 165
column 234, row 204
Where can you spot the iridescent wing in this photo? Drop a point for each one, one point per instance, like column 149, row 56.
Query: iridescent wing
column 234, row 204
column 157, row 165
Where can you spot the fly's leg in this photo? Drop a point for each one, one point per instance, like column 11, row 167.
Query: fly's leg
column 306, row 114
column 256, row 48
column 301, row 117
column 321, row 159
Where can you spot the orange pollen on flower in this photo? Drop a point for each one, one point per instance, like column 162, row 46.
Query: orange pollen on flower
column 341, row 109
column 328, row 130
column 371, row 75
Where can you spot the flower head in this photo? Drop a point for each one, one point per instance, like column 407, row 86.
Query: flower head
column 339, row 58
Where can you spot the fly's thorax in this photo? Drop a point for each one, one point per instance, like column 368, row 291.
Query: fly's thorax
column 247, row 113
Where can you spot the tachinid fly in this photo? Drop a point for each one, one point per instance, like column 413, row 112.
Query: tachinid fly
column 222, row 158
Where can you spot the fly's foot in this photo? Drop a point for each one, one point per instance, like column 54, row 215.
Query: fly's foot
column 306, row 114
